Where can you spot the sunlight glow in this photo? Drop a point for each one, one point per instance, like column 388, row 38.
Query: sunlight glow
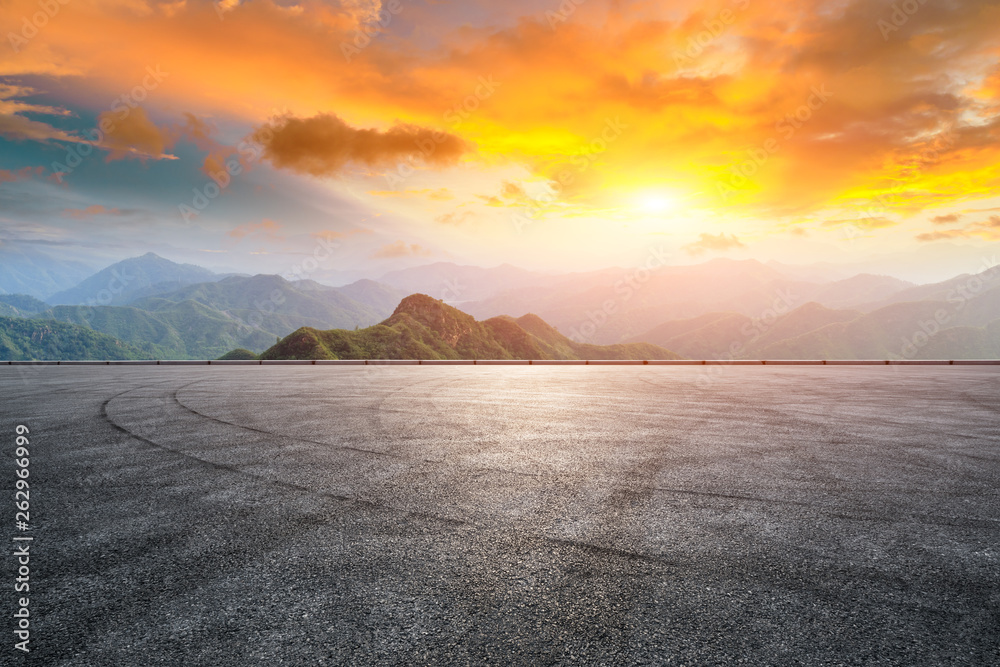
column 655, row 202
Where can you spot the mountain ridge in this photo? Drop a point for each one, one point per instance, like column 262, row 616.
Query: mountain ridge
column 115, row 284
column 422, row 327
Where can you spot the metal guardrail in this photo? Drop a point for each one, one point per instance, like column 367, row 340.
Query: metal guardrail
column 520, row 362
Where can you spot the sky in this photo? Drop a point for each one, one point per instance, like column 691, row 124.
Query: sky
column 558, row 136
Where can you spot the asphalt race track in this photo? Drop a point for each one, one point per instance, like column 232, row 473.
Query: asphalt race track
column 508, row 515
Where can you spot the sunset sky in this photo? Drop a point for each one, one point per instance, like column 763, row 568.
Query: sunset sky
column 551, row 136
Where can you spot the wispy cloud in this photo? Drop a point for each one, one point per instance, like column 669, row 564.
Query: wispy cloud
column 401, row 249
column 713, row 243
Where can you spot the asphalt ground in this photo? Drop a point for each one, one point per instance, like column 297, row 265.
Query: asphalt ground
column 506, row 515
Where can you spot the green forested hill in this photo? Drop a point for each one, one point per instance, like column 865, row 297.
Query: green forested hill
column 425, row 328
column 24, row 339
column 185, row 330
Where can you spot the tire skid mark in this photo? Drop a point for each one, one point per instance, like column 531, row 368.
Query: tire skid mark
column 926, row 519
column 729, row 496
column 563, row 542
column 499, row 525
column 327, row 445
column 610, row 551
column 275, row 482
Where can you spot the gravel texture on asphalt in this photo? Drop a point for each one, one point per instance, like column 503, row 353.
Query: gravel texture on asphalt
column 508, row 515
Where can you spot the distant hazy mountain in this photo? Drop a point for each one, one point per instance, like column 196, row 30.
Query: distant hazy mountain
column 611, row 306
column 20, row 305
column 45, row 340
column 734, row 335
column 857, row 290
column 455, row 283
column 121, row 282
column 912, row 329
column 708, row 336
column 810, row 317
column 822, row 272
column 37, row 274
column 425, row 328
column 718, row 309
column 181, row 330
column 608, row 307
column 380, row 297
column 901, row 330
column 272, row 303
column 205, row 320
column 963, row 288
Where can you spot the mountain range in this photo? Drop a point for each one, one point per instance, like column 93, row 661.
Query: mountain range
column 166, row 310
column 124, row 281
column 422, row 327
column 155, row 308
column 609, row 307
column 25, row 271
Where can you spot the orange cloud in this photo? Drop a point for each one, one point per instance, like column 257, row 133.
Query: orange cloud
column 132, row 134
column 202, row 135
column 439, row 194
column 333, row 235
column 988, row 230
column 455, row 217
column 8, row 176
column 871, row 222
column 268, row 228
column 511, row 194
column 325, row 145
column 14, row 125
column 910, row 113
column 401, row 249
column 90, row 211
column 946, row 219
column 713, row 242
